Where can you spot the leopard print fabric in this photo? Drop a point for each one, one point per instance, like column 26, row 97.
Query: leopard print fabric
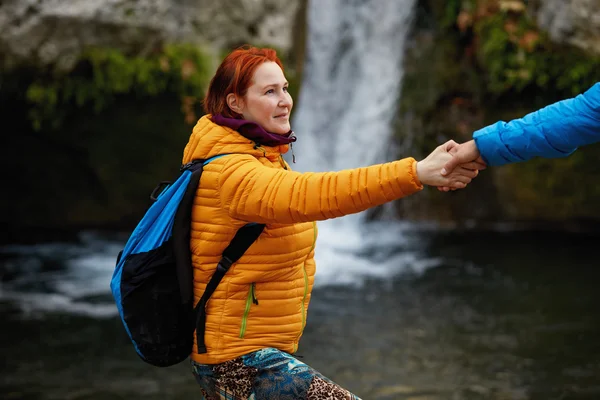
column 321, row 389
column 266, row 374
column 235, row 378
column 229, row 380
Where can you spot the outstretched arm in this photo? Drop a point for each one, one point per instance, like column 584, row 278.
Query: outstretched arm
column 252, row 192
column 554, row 131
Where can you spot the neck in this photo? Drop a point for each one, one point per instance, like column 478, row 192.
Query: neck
column 253, row 131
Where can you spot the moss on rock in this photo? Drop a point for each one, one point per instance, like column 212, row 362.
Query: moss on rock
column 103, row 74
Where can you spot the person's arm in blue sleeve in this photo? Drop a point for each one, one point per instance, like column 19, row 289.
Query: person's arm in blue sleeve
column 553, row 131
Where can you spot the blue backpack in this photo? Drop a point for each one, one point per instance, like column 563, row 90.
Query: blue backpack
column 153, row 279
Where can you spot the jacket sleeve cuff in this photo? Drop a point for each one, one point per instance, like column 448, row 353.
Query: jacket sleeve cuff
column 405, row 178
column 490, row 146
column 415, row 181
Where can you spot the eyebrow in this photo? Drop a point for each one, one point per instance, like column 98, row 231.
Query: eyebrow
column 275, row 85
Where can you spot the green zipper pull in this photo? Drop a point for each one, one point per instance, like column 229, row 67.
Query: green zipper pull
column 251, row 298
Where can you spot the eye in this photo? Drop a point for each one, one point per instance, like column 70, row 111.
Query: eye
column 285, row 89
column 269, row 91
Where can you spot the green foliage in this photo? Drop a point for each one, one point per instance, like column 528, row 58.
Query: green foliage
column 516, row 56
column 103, row 74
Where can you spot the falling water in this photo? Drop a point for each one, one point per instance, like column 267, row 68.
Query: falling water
column 349, row 95
column 351, row 82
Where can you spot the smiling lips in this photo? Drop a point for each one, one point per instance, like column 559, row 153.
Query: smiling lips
column 281, row 116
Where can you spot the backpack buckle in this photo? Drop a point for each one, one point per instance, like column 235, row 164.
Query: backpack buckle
column 224, row 264
column 189, row 165
column 158, row 190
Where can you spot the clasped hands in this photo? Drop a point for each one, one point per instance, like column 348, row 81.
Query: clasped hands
column 451, row 166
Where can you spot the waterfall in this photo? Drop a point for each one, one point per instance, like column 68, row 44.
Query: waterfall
column 343, row 118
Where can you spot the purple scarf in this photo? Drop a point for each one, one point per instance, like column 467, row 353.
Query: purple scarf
column 253, row 131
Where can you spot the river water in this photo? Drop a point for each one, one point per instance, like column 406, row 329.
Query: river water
column 472, row 315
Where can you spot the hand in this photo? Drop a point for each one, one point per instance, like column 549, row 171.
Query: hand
column 428, row 170
column 462, row 153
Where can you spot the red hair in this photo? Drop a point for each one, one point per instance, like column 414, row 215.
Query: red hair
column 234, row 75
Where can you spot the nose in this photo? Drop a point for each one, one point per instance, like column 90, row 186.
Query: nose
column 286, row 100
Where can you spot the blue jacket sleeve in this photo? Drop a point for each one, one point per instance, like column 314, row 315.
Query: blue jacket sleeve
column 553, row 131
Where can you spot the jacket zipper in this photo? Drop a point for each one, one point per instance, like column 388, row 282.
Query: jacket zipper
column 249, row 300
column 306, row 287
column 259, row 147
column 282, row 162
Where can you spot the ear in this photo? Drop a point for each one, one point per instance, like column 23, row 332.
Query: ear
column 235, row 104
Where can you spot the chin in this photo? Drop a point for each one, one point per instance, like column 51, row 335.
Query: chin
column 280, row 130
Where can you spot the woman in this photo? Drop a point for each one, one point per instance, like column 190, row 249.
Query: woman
column 256, row 316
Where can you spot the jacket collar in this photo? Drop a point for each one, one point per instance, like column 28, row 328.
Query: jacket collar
column 209, row 139
column 253, row 131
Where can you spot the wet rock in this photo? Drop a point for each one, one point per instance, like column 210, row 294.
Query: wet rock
column 56, row 31
column 576, row 22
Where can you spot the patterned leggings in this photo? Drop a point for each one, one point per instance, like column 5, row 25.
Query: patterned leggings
column 265, row 374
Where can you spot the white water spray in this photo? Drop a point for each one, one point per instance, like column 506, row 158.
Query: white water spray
column 349, row 96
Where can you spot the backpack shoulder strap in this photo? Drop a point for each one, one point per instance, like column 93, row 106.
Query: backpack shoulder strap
column 242, row 240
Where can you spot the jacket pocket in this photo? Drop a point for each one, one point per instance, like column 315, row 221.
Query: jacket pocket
column 250, row 300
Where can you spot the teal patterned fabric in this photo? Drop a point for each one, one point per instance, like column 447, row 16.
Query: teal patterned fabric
column 265, row 374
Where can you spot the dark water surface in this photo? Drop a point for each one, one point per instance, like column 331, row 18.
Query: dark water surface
column 503, row 316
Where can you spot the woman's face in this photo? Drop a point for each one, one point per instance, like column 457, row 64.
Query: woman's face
column 267, row 101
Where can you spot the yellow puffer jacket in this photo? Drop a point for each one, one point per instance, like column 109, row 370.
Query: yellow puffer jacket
column 262, row 301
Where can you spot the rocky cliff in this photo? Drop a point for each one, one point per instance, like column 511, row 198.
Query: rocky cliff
column 575, row 22
column 56, row 32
